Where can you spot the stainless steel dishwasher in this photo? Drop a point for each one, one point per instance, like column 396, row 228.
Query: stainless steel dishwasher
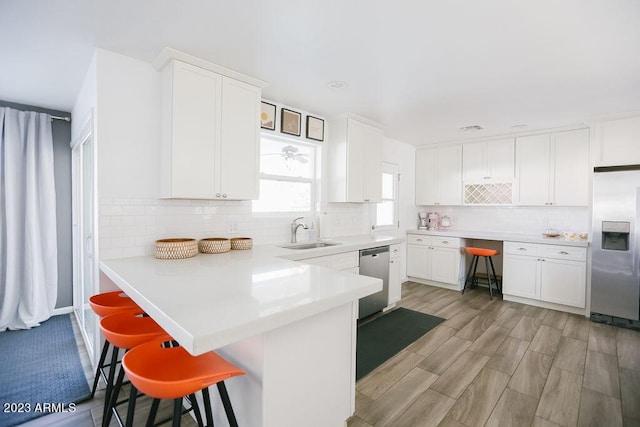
column 374, row 262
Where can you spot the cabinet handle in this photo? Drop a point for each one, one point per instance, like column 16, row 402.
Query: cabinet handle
column 218, row 194
column 444, row 242
column 366, row 200
column 486, row 177
column 418, row 240
column 395, row 251
column 563, row 253
column 522, row 249
column 224, row 196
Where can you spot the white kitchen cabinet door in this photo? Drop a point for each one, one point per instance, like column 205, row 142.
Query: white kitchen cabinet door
column 491, row 160
column 210, row 135
column 238, row 161
column 520, row 276
column 501, row 160
column 395, row 290
column 355, row 162
column 450, row 175
column 532, row 169
column 445, row 264
column 191, row 116
column 418, row 261
column 426, row 177
column 474, row 162
column 617, row 142
column 570, row 167
column 372, row 164
column 563, row 282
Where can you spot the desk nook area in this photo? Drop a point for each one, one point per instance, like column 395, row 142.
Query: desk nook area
column 547, row 272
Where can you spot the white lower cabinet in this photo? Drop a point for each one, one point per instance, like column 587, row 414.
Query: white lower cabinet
column 434, row 258
column 550, row 273
column 395, row 275
column 346, row 261
column 349, row 263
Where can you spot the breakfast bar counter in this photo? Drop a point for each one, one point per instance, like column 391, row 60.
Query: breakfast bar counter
column 290, row 326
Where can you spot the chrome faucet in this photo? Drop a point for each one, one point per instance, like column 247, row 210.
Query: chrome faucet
column 294, row 228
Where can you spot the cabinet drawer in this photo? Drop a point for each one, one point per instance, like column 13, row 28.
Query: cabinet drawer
column 519, row 248
column 418, row 239
column 345, row 260
column 564, row 252
column 445, row 242
column 323, row 261
column 395, row 251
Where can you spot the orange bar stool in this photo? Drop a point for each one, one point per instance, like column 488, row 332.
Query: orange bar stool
column 103, row 305
column 165, row 370
column 486, row 254
column 125, row 330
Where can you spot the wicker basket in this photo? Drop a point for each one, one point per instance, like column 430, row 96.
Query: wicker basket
column 214, row 245
column 241, row 243
column 179, row 248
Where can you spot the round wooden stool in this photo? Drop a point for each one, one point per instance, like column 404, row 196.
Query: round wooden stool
column 486, row 254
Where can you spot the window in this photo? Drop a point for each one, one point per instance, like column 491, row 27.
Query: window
column 385, row 213
column 287, row 176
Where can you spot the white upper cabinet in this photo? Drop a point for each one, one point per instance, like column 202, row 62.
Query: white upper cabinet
column 439, row 176
column 491, row 161
column 553, row 169
column 617, row 142
column 355, row 161
column 210, row 134
column 571, row 167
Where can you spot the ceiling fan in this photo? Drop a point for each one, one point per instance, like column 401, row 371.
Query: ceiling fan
column 290, row 152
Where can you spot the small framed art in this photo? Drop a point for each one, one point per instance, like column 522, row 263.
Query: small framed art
column 315, row 128
column 268, row 116
column 290, row 122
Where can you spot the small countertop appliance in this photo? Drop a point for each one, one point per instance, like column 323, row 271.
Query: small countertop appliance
column 433, row 221
column 422, row 221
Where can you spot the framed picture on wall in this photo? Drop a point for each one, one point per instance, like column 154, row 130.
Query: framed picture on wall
column 315, row 128
column 268, row 116
column 290, row 122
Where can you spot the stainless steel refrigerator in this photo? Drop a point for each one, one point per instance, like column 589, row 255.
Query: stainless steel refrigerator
column 615, row 266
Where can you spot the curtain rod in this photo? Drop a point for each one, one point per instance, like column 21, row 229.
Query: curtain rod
column 66, row 119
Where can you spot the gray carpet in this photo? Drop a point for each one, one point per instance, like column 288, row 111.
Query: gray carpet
column 382, row 338
column 40, row 372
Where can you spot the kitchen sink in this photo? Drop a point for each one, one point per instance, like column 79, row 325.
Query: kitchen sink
column 313, row 245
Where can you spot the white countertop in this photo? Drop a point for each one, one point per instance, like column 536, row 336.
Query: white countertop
column 213, row 300
column 510, row 237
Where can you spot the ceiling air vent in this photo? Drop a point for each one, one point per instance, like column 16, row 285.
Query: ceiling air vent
column 472, row 128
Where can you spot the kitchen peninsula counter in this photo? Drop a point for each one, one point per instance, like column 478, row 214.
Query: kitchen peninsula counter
column 290, row 326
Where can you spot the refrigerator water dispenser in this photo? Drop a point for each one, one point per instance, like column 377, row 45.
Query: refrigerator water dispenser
column 615, row 235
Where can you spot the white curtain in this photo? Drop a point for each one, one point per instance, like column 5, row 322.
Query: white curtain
column 28, row 248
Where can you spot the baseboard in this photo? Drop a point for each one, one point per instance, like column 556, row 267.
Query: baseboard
column 62, row 310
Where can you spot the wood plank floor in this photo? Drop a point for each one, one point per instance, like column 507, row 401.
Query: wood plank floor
column 498, row 363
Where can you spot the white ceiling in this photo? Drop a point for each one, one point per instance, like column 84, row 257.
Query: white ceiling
column 422, row 68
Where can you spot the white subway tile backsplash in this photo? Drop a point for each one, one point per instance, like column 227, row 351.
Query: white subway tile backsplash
column 128, row 227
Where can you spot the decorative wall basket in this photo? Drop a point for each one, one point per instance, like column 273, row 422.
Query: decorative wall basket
column 214, row 245
column 178, row 248
column 241, row 243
